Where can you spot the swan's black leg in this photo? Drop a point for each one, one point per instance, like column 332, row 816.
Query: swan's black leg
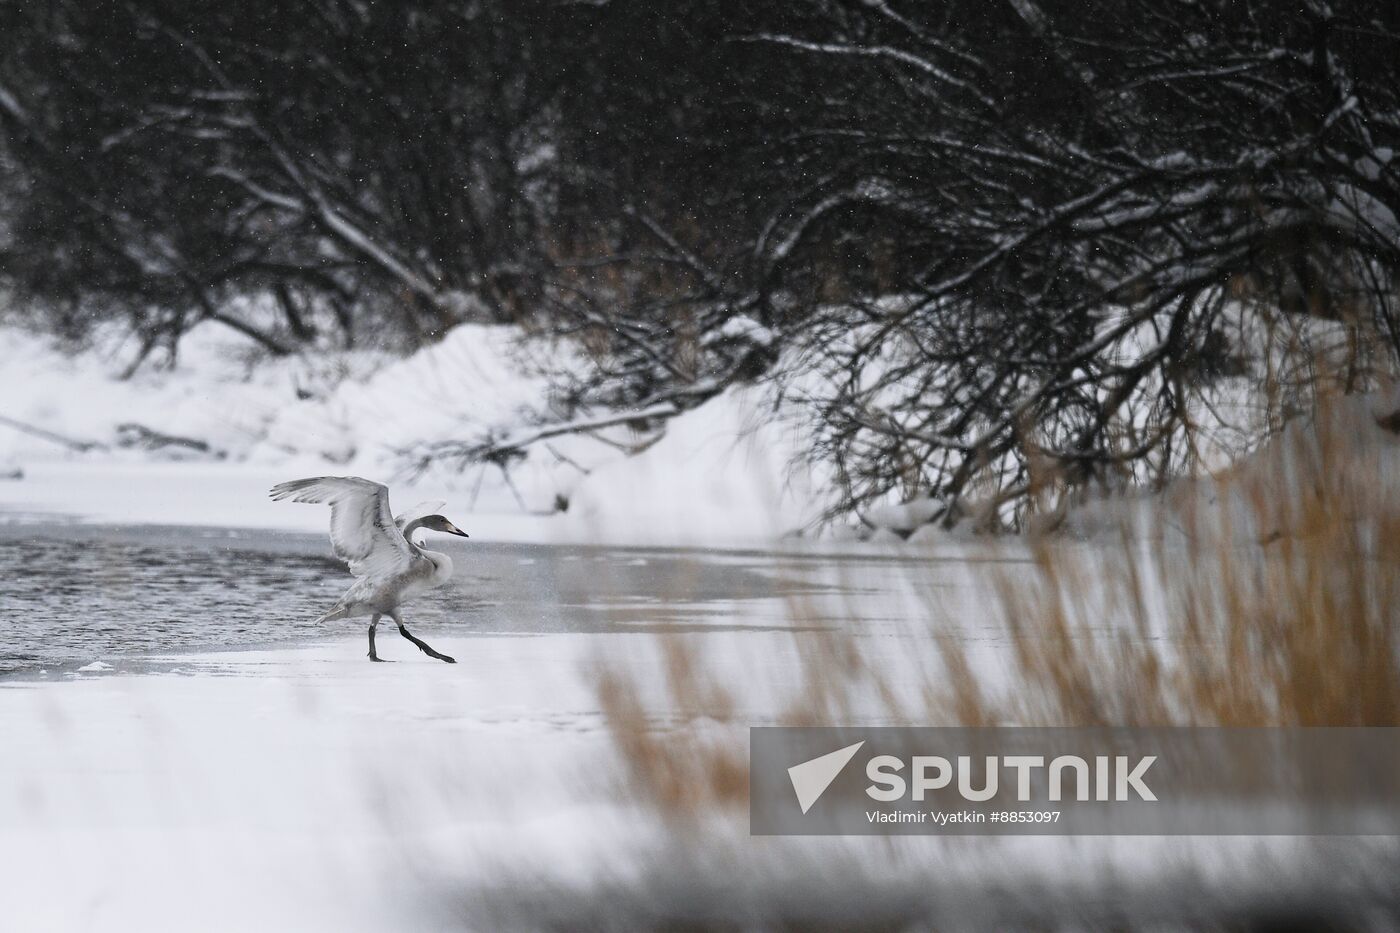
column 373, row 624
column 422, row 645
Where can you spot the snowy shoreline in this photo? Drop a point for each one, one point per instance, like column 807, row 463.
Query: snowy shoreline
column 265, row 784
column 233, row 497
column 723, row 474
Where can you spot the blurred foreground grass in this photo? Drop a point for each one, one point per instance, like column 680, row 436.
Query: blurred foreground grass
column 1271, row 601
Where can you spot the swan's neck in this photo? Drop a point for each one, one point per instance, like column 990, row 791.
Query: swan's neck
column 442, row 564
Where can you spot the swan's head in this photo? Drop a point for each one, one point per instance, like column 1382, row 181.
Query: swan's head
column 440, row 523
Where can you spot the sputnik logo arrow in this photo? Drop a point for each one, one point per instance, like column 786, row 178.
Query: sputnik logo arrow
column 811, row 778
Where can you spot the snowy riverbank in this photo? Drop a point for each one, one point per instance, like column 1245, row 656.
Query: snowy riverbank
column 299, row 789
column 723, row 474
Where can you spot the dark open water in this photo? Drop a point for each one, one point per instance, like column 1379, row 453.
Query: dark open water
column 74, row 594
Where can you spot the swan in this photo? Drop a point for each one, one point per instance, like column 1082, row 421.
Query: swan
column 378, row 548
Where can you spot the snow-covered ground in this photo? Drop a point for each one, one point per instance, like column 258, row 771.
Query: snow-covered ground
column 721, row 474
column 307, row 789
column 302, row 790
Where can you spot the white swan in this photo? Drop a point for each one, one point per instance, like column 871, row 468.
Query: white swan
column 387, row 565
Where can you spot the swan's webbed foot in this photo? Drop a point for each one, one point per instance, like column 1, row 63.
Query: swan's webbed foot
column 423, row 646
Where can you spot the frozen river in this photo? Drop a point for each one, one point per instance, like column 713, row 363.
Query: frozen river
column 130, row 596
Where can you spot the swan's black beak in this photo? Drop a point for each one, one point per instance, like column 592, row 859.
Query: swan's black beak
column 454, row 530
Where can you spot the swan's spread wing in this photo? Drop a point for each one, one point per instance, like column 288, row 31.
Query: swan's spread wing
column 363, row 533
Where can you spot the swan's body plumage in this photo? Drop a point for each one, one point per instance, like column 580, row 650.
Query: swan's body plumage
column 388, row 566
